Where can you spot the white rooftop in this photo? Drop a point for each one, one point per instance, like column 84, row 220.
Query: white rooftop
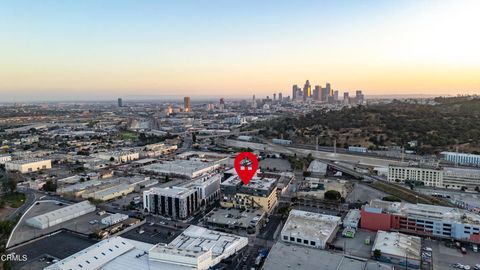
column 64, row 212
column 309, row 225
column 398, row 244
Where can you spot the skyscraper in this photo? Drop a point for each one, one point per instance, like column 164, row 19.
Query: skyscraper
column 280, row 97
column 335, row 95
column 359, row 97
column 294, row 91
column 316, row 92
column 307, row 90
column 120, row 102
column 346, row 98
column 274, row 96
column 186, row 104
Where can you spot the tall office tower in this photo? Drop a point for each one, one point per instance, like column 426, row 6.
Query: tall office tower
column 294, row 92
column 120, row 102
column 186, row 104
column 324, row 94
column 335, row 95
column 359, row 97
column 254, row 102
column 274, row 96
column 346, row 98
column 280, row 97
column 329, row 90
column 222, row 101
column 307, row 90
column 316, row 92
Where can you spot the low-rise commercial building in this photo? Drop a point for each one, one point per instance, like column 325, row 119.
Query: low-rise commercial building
column 397, row 248
column 310, row 229
column 118, row 156
column 421, row 219
column 28, row 165
column 260, row 192
column 174, row 202
column 236, row 220
column 61, row 215
column 114, row 219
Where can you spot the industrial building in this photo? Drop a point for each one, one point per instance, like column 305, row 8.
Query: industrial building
column 196, row 248
column 215, row 246
column 61, row 215
column 28, row 165
column 114, row 219
column 317, row 168
column 216, row 158
column 421, row 219
column 118, row 156
column 260, row 192
column 182, row 168
column 352, row 219
column 305, row 258
column 310, row 229
column 397, row 248
column 106, row 194
column 174, row 202
column 461, row 158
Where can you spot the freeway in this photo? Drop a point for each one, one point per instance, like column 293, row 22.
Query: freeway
column 323, row 155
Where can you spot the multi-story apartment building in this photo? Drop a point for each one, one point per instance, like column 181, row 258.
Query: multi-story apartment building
column 259, row 193
column 445, row 177
column 421, row 219
column 174, row 202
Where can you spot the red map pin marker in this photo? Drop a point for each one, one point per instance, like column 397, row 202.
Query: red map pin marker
column 246, row 173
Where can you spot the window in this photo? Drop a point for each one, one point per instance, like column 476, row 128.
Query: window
column 285, row 238
column 305, row 241
column 312, row 243
column 299, row 240
column 292, row 239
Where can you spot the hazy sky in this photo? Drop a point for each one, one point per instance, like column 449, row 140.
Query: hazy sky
column 105, row 49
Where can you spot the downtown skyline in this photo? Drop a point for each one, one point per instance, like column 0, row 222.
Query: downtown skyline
column 89, row 50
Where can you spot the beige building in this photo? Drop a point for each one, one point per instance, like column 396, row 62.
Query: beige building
column 28, row 165
column 430, row 176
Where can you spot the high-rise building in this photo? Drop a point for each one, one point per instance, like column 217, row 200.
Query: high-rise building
column 280, row 97
column 307, row 90
column 359, row 97
column 294, row 92
column 324, row 94
column 346, row 98
column 335, row 95
column 316, row 92
column 274, row 96
column 120, row 102
column 222, row 101
column 186, row 104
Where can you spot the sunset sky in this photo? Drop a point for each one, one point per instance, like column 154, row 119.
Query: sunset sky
column 82, row 49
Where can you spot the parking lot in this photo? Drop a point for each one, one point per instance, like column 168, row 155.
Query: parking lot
column 356, row 246
column 444, row 257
